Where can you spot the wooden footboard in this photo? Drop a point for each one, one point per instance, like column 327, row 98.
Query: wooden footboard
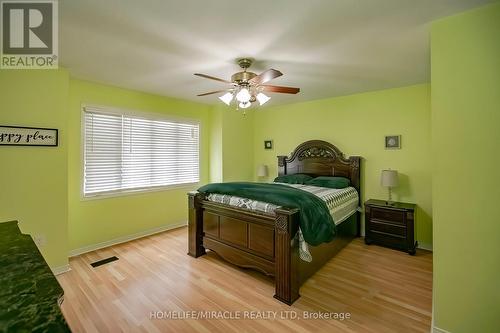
column 262, row 242
column 246, row 239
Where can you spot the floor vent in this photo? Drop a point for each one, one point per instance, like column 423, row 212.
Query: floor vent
column 103, row 261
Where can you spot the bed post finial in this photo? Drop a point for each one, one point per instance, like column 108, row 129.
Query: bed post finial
column 354, row 172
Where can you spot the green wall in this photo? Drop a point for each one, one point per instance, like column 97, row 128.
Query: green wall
column 99, row 220
column 466, row 182
column 216, row 162
column 33, row 180
column 357, row 125
column 231, row 153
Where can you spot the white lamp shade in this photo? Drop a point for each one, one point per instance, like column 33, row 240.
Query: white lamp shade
column 243, row 95
column 262, row 98
column 262, row 171
column 389, row 178
column 227, row 98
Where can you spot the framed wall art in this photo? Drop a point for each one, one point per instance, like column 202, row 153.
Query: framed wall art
column 28, row 136
column 393, row 142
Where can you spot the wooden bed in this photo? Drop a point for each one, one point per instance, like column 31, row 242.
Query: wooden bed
column 269, row 243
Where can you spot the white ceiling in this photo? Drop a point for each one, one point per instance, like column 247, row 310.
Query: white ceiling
column 327, row 48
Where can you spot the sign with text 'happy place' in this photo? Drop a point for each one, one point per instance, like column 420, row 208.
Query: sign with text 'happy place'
column 27, row 136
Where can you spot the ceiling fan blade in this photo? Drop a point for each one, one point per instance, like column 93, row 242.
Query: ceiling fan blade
column 265, row 76
column 212, row 78
column 280, row 89
column 214, row 92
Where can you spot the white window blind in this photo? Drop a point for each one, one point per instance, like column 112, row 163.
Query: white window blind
column 125, row 152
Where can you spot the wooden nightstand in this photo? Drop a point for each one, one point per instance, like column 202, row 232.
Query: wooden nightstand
column 390, row 225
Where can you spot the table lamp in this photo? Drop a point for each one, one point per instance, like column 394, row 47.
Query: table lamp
column 262, row 171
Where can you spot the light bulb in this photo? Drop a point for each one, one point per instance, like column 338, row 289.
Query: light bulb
column 262, row 98
column 243, row 95
column 227, row 98
column 245, row 105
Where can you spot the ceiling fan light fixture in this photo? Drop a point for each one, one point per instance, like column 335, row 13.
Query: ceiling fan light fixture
column 226, row 98
column 262, row 98
column 245, row 105
column 243, row 95
column 248, row 87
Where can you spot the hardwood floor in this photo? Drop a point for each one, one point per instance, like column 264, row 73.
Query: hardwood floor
column 383, row 290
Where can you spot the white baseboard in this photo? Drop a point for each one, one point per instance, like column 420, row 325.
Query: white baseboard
column 439, row 330
column 123, row 239
column 61, row 269
column 425, row 246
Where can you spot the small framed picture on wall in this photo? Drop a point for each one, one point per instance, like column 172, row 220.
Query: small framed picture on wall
column 393, row 142
column 268, row 144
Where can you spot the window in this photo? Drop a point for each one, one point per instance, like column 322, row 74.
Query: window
column 124, row 152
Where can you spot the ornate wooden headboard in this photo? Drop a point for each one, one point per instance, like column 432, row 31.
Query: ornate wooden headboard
column 320, row 158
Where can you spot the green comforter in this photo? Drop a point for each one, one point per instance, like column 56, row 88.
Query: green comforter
column 316, row 222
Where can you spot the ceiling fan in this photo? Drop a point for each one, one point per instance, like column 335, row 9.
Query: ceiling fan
column 248, row 87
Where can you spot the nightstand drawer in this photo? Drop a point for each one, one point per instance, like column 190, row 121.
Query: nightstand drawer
column 388, row 228
column 389, row 215
column 383, row 238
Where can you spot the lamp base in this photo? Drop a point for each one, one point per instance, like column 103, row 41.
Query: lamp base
column 389, row 202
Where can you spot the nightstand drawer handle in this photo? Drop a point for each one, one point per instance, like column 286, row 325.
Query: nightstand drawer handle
column 387, row 234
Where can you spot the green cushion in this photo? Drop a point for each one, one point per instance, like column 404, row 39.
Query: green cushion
column 330, row 182
column 297, row 178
